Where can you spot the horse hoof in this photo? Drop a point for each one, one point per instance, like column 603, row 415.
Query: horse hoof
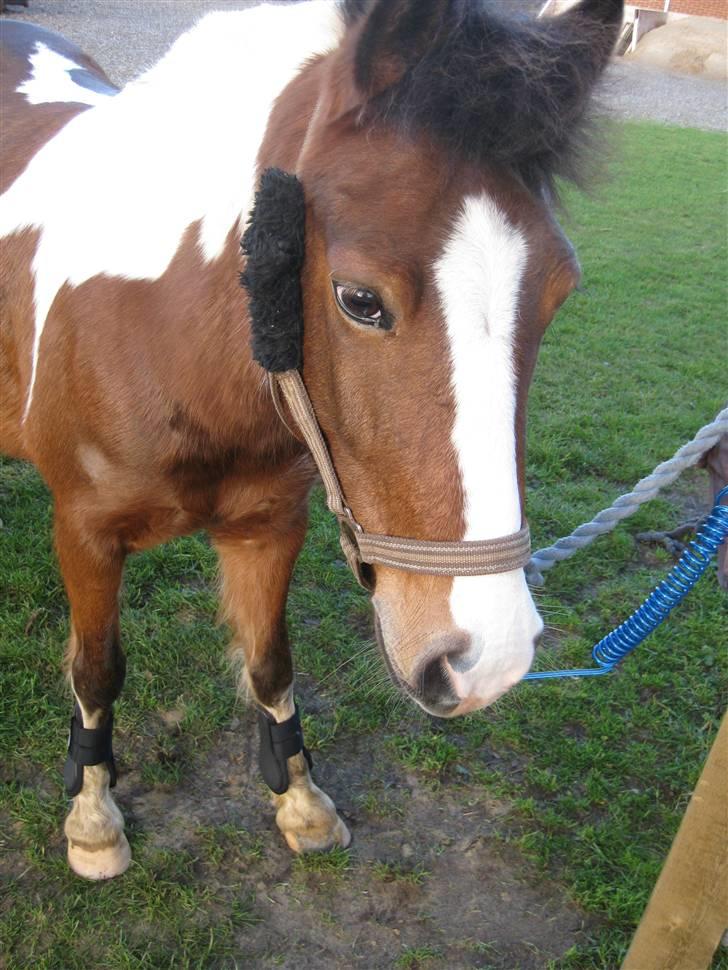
column 318, row 841
column 103, row 863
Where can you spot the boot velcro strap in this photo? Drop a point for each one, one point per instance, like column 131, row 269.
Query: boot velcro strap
column 88, row 746
column 278, row 743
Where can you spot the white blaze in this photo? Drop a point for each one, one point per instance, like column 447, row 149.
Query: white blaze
column 479, row 277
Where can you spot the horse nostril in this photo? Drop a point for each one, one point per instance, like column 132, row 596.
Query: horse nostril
column 436, row 689
column 433, row 683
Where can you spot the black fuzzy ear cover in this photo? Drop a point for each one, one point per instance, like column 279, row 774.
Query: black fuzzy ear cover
column 274, row 246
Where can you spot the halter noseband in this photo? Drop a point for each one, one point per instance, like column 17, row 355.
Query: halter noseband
column 434, row 558
column 273, row 244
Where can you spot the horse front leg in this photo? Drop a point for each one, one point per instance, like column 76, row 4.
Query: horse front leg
column 92, row 568
column 256, row 574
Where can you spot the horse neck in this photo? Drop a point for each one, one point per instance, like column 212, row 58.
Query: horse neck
column 219, row 385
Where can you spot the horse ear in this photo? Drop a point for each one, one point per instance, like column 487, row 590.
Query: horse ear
column 502, row 91
column 395, row 35
column 581, row 41
column 601, row 20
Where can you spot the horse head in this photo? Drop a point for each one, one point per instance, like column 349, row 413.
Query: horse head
column 427, row 145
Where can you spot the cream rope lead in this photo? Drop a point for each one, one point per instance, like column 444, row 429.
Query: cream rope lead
column 433, row 558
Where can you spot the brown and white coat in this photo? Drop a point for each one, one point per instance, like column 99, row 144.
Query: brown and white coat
column 125, row 363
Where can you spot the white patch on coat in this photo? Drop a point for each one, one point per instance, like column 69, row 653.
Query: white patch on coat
column 51, row 81
column 479, row 277
column 95, row 464
column 114, row 191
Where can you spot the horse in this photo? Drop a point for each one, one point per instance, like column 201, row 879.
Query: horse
column 393, row 165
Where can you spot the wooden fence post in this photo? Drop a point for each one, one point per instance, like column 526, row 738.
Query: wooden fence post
column 688, row 910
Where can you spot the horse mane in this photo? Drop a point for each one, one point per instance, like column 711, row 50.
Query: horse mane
column 502, row 91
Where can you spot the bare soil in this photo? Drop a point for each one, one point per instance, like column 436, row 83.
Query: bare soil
column 429, row 867
column 475, row 888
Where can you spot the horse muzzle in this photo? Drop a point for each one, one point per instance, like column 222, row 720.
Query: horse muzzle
column 456, row 672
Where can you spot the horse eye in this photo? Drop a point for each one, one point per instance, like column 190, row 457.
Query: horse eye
column 362, row 305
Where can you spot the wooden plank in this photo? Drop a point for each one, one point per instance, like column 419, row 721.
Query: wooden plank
column 688, row 910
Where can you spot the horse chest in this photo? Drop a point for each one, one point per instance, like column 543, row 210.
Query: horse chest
column 241, row 503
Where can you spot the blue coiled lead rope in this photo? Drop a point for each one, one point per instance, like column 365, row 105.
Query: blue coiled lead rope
column 671, row 591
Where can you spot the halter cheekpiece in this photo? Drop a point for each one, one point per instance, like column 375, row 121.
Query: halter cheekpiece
column 274, row 246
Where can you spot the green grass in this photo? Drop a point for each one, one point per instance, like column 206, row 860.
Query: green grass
column 412, row 958
column 396, row 872
column 332, row 863
column 597, row 774
column 161, row 914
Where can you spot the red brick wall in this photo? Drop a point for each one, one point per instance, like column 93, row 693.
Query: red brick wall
column 699, row 8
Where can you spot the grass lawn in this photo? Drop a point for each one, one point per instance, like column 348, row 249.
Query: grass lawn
column 578, row 788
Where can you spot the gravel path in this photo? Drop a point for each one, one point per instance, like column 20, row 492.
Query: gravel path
column 639, row 92
column 127, row 36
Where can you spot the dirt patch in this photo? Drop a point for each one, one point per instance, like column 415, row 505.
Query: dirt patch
column 430, row 880
column 427, row 868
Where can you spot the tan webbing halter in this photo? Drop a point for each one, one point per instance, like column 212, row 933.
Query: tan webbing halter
column 413, row 555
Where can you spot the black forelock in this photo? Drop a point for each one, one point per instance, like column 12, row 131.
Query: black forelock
column 505, row 92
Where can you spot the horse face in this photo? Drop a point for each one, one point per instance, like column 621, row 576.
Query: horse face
column 433, row 266
column 427, row 290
